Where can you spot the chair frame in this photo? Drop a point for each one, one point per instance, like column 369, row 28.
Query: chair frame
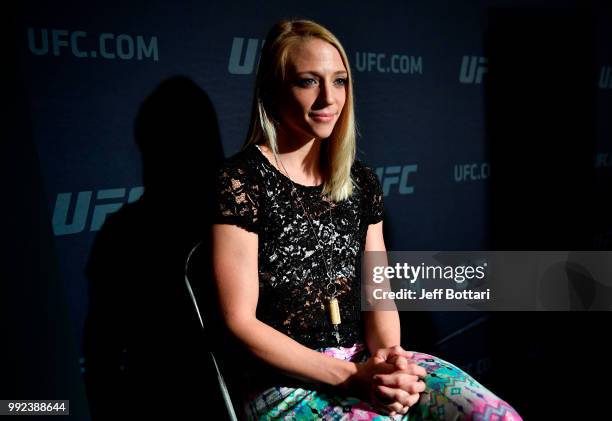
column 220, row 380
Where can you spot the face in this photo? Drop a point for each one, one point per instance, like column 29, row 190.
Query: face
column 315, row 91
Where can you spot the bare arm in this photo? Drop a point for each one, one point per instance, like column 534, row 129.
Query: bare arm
column 382, row 328
column 235, row 271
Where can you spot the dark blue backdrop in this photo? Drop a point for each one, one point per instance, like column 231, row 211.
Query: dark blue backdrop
column 469, row 112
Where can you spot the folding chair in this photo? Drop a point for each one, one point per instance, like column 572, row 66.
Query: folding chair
column 220, row 380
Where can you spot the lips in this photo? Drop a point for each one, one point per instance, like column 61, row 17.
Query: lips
column 322, row 117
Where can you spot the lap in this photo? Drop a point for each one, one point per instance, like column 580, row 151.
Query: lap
column 451, row 393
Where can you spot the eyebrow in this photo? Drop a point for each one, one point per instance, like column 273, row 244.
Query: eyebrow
column 317, row 74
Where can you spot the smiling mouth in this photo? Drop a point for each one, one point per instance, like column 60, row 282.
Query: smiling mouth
column 322, row 117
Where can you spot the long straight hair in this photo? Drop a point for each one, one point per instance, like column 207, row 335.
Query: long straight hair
column 339, row 149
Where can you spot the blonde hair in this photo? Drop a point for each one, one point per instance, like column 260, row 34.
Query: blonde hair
column 339, row 149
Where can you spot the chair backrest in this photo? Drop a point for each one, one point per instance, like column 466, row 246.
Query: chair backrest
column 220, row 380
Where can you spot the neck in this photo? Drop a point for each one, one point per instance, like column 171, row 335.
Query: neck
column 301, row 157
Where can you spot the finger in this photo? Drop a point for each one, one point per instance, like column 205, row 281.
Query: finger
column 416, row 387
column 386, row 353
column 416, row 370
column 382, row 407
column 413, row 399
column 399, row 361
column 398, row 350
column 411, row 368
column 382, row 410
column 389, row 395
column 382, row 397
column 382, row 353
column 383, row 368
column 412, row 387
column 395, row 407
column 406, row 408
column 409, row 383
column 396, row 379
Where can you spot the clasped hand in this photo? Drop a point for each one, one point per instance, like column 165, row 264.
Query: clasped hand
column 390, row 381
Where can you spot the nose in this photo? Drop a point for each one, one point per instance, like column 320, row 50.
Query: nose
column 326, row 94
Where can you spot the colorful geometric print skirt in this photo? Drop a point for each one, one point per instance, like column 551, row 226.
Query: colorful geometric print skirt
column 450, row 394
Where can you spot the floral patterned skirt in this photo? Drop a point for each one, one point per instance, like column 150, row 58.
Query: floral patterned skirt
column 450, row 394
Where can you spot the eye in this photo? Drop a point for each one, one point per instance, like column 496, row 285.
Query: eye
column 306, row 82
column 341, row 81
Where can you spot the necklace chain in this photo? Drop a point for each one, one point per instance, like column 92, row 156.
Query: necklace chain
column 331, row 287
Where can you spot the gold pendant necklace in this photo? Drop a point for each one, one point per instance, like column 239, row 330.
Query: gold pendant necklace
column 333, row 305
column 334, row 310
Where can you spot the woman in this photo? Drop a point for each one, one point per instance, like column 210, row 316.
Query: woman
column 295, row 211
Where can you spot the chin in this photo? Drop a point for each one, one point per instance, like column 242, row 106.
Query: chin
column 321, row 134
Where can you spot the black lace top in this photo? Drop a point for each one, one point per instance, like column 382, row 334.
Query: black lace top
column 255, row 195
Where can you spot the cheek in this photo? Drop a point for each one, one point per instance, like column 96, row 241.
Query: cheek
column 302, row 101
column 296, row 106
column 292, row 110
column 342, row 99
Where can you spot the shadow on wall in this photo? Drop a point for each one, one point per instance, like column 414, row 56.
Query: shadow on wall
column 144, row 350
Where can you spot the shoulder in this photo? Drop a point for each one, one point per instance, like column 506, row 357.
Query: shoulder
column 238, row 193
column 241, row 160
column 239, row 166
column 364, row 175
column 371, row 190
column 238, row 178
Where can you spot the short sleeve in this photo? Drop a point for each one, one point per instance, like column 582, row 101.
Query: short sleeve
column 237, row 197
column 374, row 197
